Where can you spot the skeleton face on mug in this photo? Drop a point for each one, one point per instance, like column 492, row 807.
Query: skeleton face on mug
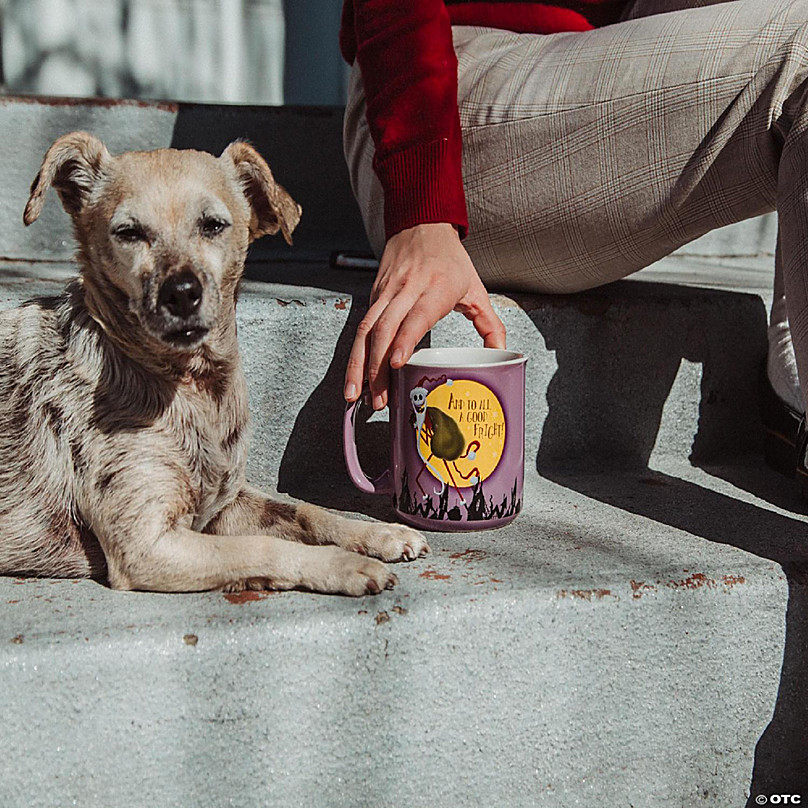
column 418, row 399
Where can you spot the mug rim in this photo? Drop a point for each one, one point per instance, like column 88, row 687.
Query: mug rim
column 505, row 358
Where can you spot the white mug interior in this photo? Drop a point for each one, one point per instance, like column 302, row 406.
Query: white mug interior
column 464, row 357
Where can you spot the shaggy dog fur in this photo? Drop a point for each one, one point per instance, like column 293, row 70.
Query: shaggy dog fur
column 123, row 407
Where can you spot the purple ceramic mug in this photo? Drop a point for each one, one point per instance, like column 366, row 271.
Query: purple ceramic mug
column 457, row 423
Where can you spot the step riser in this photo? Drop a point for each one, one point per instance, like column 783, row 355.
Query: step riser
column 615, row 379
column 297, row 142
column 557, row 703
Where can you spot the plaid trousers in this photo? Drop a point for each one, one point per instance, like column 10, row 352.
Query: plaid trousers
column 588, row 156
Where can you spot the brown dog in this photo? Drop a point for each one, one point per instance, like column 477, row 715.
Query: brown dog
column 123, row 405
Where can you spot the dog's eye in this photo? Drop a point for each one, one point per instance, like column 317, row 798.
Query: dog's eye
column 130, row 233
column 210, row 227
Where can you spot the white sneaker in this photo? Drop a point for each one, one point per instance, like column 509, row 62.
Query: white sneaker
column 781, row 365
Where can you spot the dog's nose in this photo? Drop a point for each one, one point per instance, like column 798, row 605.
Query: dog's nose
column 180, row 294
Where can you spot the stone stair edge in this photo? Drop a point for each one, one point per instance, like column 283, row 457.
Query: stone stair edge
column 315, row 280
column 298, row 142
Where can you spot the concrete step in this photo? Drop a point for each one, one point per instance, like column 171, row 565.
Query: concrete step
column 303, row 145
column 636, row 637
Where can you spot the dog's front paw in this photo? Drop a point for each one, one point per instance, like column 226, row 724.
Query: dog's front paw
column 390, row 542
column 354, row 575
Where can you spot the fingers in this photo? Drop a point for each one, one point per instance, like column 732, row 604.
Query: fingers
column 490, row 328
column 355, row 371
column 424, row 273
column 389, row 332
column 381, row 347
column 422, row 316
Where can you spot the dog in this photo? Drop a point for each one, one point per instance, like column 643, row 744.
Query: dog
column 123, row 404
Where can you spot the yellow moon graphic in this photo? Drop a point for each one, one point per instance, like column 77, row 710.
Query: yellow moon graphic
column 476, row 411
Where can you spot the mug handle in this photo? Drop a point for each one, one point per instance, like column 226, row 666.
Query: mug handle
column 383, row 484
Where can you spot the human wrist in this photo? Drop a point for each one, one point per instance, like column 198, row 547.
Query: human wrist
column 427, row 229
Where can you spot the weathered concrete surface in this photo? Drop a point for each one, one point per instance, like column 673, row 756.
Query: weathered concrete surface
column 582, row 657
column 637, row 636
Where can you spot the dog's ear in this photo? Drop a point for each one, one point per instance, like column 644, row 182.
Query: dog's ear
column 272, row 207
column 72, row 166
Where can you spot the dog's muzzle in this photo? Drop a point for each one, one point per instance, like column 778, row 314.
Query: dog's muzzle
column 179, row 301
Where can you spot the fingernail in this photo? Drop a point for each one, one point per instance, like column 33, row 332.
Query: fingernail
column 378, row 403
column 397, row 356
column 350, row 391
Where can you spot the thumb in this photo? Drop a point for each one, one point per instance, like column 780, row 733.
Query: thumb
column 477, row 308
column 491, row 329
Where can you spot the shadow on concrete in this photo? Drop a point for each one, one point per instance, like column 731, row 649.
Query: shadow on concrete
column 606, row 402
column 619, row 350
column 319, row 423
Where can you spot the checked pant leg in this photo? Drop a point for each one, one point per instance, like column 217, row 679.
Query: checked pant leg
column 588, row 156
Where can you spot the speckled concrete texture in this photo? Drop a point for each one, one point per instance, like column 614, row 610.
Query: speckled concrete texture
column 636, row 637
column 28, row 126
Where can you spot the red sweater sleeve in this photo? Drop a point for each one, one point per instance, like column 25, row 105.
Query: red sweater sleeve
column 409, row 70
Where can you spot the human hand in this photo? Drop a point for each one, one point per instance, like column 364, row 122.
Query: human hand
column 425, row 273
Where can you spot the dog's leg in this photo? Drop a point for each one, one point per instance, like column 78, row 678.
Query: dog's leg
column 182, row 560
column 254, row 512
column 149, row 544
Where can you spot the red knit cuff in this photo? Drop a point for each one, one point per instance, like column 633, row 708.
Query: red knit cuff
column 423, row 184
